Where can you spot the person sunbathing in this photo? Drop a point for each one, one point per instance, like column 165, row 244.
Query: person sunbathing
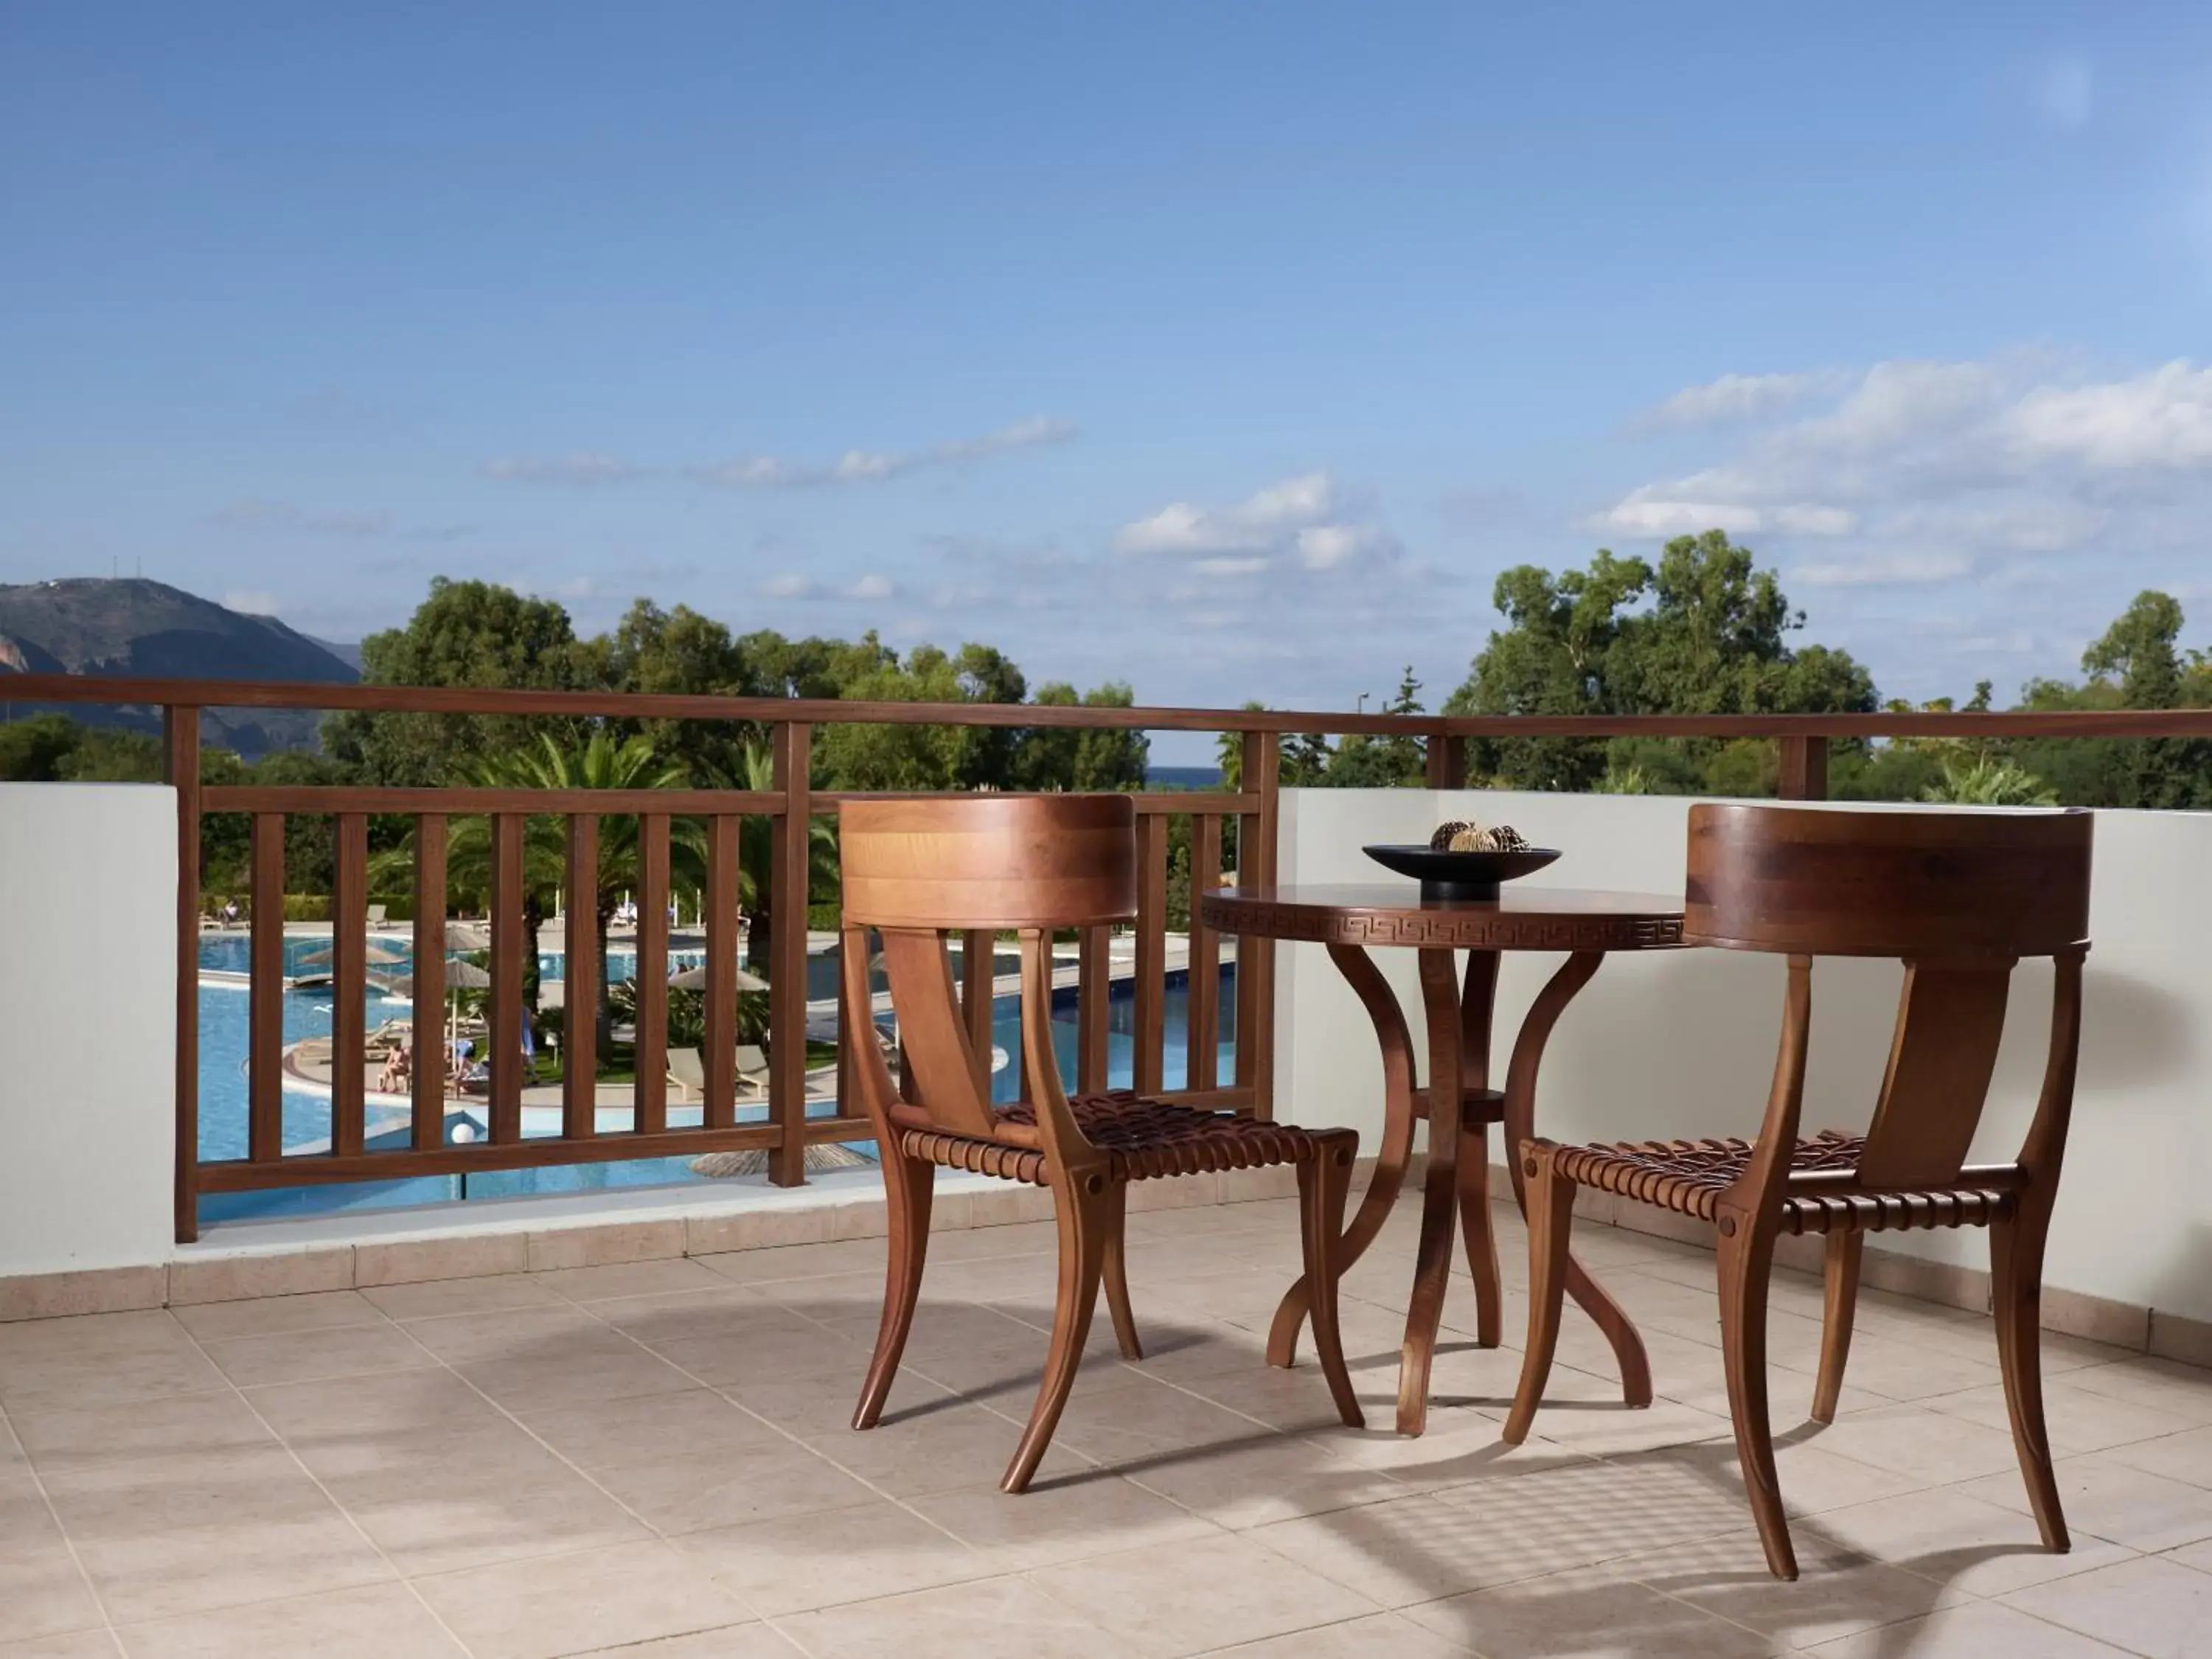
column 399, row 1067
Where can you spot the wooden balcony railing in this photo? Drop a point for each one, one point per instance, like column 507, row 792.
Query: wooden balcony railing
column 789, row 805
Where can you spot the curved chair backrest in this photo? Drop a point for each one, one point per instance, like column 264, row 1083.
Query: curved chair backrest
column 918, row 870
column 1958, row 896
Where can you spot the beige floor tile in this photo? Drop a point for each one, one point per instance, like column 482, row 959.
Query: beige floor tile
column 627, row 1278
column 1377, row 1636
column 158, row 1572
column 992, row 1618
column 2147, row 1606
column 746, row 1641
column 1182, row 1598
column 1814, row 1479
column 1588, row 1615
column 692, row 1493
column 1980, row 1630
column 1006, row 1377
column 1542, row 1511
column 42, row 1593
column 401, row 1408
column 98, row 1372
column 940, row 1451
column 569, row 1604
column 1948, row 1536
column 1837, row 1593
column 493, row 1293
column 383, row 1621
column 1248, row 1485
column 577, row 1377
column 2198, row 1556
column 141, row 1496
column 2186, row 1456
column 100, row 1644
column 1912, row 1440
column 947, row 1327
column 1093, row 1514
column 311, row 1356
column 777, row 1353
column 797, row 1565
column 611, row 1434
column 276, row 1316
column 437, row 1515
column 728, row 1311
column 813, row 1406
column 2075, row 1419
column 2166, row 1384
column 181, row 1425
column 514, row 1333
column 1397, row 1553
column 2113, row 1500
column 793, row 1262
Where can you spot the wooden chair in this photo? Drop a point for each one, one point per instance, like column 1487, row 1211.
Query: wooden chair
column 917, row 871
column 1960, row 898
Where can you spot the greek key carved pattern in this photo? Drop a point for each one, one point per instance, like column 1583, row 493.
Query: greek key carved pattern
column 1464, row 929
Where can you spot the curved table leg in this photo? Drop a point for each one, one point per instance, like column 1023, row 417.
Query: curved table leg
column 1477, row 1003
column 1440, row 999
column 1374, row 992
column 1520, row 1124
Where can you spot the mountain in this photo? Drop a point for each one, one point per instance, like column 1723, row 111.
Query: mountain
column 129, row 627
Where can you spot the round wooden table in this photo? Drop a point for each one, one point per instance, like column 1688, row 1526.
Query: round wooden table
column 1352, row 919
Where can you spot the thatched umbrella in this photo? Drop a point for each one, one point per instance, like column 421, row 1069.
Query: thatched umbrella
column 694, row 979
column 459, row 976
column 378, row 951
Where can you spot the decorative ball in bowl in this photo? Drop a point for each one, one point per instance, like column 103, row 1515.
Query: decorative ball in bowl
column 1464, row 861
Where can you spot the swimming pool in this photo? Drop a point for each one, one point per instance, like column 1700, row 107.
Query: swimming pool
column 307, row 1116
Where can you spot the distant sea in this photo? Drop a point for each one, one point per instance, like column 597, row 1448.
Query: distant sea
column 1183, row 777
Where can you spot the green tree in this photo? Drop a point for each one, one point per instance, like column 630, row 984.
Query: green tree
column 1990, row 783
column 1053, row 757
column 1398, row 761
column 756, row 771
column 464, row 634
column 677, row 653
column 1713, row 639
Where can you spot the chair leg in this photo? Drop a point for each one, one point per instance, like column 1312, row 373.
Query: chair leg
column 1746, row 1261
column 909, row 1184
column 1322, row 1182
column 1081, row 1208
column 1843, row 1300
column 1116, row 1271
column 1551, row 1199
column 1475, row 1231
column 2016, row 1272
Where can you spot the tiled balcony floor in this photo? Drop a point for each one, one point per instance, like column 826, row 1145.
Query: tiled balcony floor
column 654, row 1459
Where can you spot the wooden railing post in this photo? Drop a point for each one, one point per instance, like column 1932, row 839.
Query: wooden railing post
column 181, row 747
column 1804, row 768
column 429, row 1127
column 349, row 986
column 579, row 984
column 264, row 994
column 503, row 1028
column 1255, row 958
column 1447, row 760
column 790, row 840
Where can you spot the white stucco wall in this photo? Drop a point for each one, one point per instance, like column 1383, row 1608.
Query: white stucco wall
column 87, row 1025
column 1682, row 1042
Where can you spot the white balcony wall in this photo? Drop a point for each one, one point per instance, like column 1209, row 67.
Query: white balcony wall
column 1681, row 1043
column 87, row 1025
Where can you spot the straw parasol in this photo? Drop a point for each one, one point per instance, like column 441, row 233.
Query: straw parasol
column 378, row 951
column 694, row 979
column 459, row 976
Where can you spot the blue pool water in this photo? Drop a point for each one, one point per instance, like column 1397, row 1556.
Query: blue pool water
column 306, row 1116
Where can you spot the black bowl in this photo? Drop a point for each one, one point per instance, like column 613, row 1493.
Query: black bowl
column 1459, row 875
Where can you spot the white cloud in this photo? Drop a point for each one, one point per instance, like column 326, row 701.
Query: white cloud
column 1924, row 472
column 1733, row 398
column 873, row 587
column 2160, row 419
column 580, row 469
column 790, row 584
column 1652, row 511
column 1902, row 570
column 854, row 467
column 250, row 603
column 1302, row 521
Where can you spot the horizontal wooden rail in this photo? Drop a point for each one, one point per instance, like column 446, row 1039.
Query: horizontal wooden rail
column 775, row 711
column 466, row 802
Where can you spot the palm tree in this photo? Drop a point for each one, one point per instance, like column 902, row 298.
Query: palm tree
column 1990, row 782
column 602, row 762
column 756, row 854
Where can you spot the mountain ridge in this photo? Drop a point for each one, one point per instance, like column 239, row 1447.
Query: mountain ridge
column 133, row 627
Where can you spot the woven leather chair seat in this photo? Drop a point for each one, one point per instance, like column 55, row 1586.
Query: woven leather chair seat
column 1688, row 1176
column 1143, row 1140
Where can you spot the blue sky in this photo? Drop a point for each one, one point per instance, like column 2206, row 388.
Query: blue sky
column 1229, row 350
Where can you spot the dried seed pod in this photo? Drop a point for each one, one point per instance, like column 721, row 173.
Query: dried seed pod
column 1471, row 838
column 1506, row 839
column 1442, row 841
